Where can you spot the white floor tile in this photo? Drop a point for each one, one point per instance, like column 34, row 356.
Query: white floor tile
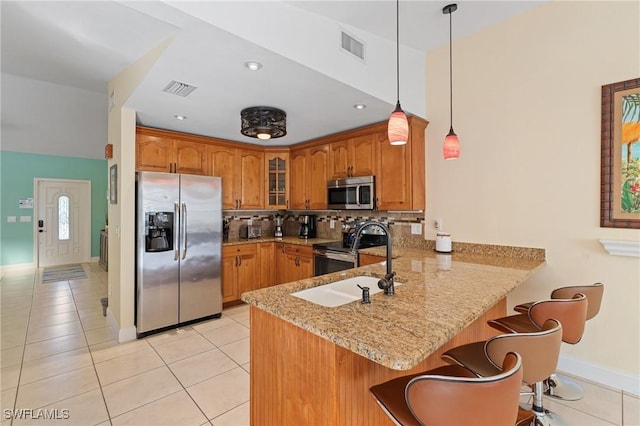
column 128, row 365
column 238, row 351
column 174, row 409
column 221, row 393
column 53, row 389
column 200, row 367
column 238, row 416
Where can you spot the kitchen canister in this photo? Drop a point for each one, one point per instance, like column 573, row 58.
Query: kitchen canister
column 443, row 242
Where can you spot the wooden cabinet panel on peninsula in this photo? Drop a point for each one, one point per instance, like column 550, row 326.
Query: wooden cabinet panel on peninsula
column 353, row 157
column 158, row 151
column 309, row 178
column 400, row 175
column 242, row 173
column 239, row 270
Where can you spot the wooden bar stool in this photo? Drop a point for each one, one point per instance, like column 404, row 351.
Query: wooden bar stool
column 451, row 395
column 572, row 314
column 539, row 350
column 558, row 386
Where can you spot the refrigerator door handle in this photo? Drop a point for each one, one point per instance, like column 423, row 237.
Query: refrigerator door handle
column 176, row 215
column 184, row 229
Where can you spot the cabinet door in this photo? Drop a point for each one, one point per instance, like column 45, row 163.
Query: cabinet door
column 298, row 187
column 280, row 261
column 267, row 265
column 229, row 277
column 339, row 167
column 305, row 267
column 154, row 153
column 221, row 163
column 190, row 158
column 393, row 186
column 317, row 179
column 277, row 180
column 362, row 155
column 251, row 167
column 248, row 272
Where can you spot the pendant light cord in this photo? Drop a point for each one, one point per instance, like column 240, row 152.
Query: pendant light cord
column 451, row 70
column 398, row 49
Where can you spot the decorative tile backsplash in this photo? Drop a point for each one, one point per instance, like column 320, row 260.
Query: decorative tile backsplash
column 399, row 223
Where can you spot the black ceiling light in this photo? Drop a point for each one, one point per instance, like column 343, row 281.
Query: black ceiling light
column 263, row 122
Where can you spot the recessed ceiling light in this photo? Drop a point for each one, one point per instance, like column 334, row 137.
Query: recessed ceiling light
column 253, row 65
column 180, row 117
column 359, row 106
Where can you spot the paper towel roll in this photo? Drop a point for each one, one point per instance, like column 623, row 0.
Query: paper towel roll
column 443, row 242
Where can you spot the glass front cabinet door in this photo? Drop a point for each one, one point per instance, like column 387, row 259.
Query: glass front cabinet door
column 277, row 167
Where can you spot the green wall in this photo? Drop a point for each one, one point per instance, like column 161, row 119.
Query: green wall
column 17, row 171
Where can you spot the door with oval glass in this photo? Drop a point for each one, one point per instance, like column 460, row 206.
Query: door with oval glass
column 63, row 226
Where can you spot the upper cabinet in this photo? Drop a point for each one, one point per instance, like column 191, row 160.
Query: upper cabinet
column 309, row 178
column 277, row 179
column 242, row 173
column 159, row 151
column 353, row 157
column 400, row 175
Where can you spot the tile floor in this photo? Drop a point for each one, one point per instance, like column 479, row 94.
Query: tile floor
column 57, row 358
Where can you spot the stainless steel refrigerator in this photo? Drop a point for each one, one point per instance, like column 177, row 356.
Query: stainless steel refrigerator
column 178, row 249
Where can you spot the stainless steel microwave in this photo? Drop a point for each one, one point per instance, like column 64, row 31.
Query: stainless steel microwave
column 353, row 193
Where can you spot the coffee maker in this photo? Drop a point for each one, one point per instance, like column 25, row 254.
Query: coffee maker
column 308, row 226
column 278, row 230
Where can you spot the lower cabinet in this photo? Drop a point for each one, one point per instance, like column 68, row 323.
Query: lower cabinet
column 239, row 271
column 247, row 267
column 369, row 259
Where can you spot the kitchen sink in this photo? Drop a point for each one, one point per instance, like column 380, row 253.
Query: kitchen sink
column 340, row 292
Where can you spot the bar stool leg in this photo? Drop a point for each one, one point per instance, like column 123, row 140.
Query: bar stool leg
column 542, row 416
column 561, row 387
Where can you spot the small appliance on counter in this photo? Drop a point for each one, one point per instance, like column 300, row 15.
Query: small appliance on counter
column 250, row 231
column 443, row 242
column 279, row 233
column 308, row 226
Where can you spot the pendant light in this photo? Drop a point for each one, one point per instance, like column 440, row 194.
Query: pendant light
column 398, row 129
column 451, row 147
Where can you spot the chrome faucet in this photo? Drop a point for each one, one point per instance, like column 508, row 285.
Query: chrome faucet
column 385, row 283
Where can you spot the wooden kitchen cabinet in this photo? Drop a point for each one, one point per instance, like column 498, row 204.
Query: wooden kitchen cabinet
column 369, row 259
column 242, row 173
column 294, row 262
column 400, row 175
column 353, row 157
column 276, row 179
column 309, row 178
column 159, row 151
column 239, row 271
column 266, row 264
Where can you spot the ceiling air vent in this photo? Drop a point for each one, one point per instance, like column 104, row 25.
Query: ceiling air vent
column 351, row 45
column 178, row 88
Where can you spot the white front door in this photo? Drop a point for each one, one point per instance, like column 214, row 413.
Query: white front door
column 63, row 225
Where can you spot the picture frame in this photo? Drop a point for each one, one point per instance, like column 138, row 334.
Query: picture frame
column 113, row 184
column 620, row 155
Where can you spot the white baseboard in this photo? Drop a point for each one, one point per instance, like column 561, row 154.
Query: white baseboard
column 121, row 335
column 17, row 267
column 614, row 379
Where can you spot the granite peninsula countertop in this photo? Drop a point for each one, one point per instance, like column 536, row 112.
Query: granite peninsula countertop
column 441, row 294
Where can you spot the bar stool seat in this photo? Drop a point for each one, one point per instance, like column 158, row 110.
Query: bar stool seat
column 452, row 395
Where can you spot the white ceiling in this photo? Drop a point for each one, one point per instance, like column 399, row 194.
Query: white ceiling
column 85, row 44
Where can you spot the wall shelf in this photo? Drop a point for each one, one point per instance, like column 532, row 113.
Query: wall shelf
column 622, row 247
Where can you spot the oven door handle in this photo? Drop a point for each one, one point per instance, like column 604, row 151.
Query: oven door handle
column 345, row 257
column 358, row 195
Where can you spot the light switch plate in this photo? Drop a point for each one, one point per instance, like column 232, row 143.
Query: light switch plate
column 11, row 218
column 25, row 218
column 416, row 228
column 332, row 224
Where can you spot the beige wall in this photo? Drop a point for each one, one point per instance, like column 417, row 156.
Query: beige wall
column 122, row 134
column 527, row 110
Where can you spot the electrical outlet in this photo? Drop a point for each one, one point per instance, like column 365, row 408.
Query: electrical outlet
column 437, row 224
column 250, row 222
column 416, row 228
column 332, row 224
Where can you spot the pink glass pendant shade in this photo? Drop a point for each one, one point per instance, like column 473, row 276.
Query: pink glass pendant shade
column 451, row 147
column 398, row 130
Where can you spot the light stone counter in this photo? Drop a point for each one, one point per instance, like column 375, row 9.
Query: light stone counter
column 439, row 297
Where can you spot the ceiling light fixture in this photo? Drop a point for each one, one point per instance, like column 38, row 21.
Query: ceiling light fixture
column 180, row 117
column 398, row 129
column 451, row 147
column 253, row 65
column 263, row 122
column 359, row 106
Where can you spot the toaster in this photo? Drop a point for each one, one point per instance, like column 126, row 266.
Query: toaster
column 251, row 231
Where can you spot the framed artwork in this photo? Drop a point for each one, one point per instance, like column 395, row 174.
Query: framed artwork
column 113, row 184
column 620, row 155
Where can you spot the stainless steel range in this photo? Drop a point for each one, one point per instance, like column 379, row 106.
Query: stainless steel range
column 340, row 255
